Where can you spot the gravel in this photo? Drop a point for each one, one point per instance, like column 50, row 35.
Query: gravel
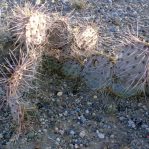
column 68, row 113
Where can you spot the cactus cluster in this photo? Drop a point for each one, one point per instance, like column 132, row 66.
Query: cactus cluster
column 131, row 69
column 36, row 32
column 28, row 29
column 127, row 75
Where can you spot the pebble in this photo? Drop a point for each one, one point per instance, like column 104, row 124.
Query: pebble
column 59, row 94
column 122, row 118
column 39, row 131
column 56, row 129
column 38, row 2
column 65, row 1
column 144, row 126
column 87, row 111
column 82, row 119
column 31, row 135
column 43, row 123
column 112, row 136
column 76, row 146
column 82, row 134
column 44, row 130
column 61, row 132
column 95, row 96
column 48, row 148
column 1, row 136
column 100, row 135
column 65, row 113
column 72, row 132
column 58, row 139
column 131, row 124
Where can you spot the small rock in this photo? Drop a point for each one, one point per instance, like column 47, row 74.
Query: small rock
column 87, row 111
column 44, row 130
column 72, row 132
column 43, row 123
column 112, row 136
column 82, row 134
column 38, row 2
column 145, row 126
column 122, row 118
column 39, row 131
column 147, row 129
column 100, row 135
column 65, row 113
column 131, row 124
column 31, row 135
column 58, row 139
column 76, row 146
column 59, row 94
column 1, row 136
column 65, row 1
column 60, row 114
column 95, row 96
column 61, row 132
column 82, row 119
column 56, row 129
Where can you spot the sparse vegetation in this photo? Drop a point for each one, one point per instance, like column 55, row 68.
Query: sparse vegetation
column 35, row 32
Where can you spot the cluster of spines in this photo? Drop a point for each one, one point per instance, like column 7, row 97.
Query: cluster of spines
column 28, row 26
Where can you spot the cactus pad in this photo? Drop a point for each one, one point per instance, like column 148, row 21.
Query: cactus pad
column 97, row 72
column 28, row 24
column 130, row 74
column 86, row 39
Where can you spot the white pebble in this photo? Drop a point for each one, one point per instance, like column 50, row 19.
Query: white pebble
column 59, row 94
column 58, row 139
column 82, row 134
column 100, row 135
column 95, row 97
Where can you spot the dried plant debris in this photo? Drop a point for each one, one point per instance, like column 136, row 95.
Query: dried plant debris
column 97, row 72
column 131, row 70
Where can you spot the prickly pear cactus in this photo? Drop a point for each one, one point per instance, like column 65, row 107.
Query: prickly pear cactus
column 86, row 40
column 28, row 24
column 36, row 29
column 97, row 72
column 71, row 68
column 59, row 32
column 130, row 72
column 15, row 108
column 18, row 76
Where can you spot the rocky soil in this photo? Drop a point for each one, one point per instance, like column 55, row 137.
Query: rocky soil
column 68, row 113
